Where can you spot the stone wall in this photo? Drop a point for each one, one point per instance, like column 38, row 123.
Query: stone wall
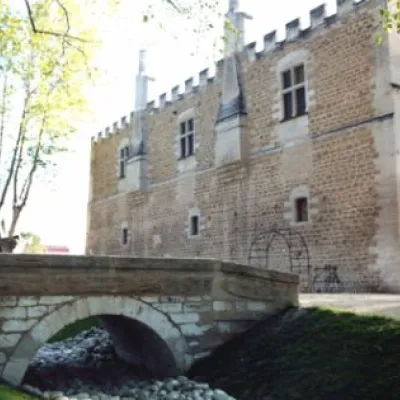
column 339, row 155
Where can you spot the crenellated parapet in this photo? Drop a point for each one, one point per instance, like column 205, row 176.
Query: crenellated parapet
column 270, row 44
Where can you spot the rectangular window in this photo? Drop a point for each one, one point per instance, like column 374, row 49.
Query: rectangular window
column 294, row 92
column 187, row 138
column 301, row 209
column 194, row 225
column 123, row 157
column 125, row 236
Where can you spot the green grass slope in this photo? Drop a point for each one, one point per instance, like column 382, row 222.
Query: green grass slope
column 74, row 329
column 310, row 354
column 7, row 393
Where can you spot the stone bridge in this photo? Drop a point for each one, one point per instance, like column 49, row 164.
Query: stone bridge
column 163, row 313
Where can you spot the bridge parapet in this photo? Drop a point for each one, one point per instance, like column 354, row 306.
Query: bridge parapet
column 29, row 274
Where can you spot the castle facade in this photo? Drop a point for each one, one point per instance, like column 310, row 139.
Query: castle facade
column 286, row 159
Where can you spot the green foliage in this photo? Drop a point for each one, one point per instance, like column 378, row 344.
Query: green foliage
column 7, row 393
column 46, row 58
column 74, row 329
column 34, row 243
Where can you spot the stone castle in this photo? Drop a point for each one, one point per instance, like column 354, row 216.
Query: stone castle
column 286, row 159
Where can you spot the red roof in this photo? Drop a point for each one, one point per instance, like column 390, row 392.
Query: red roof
column 57, row 249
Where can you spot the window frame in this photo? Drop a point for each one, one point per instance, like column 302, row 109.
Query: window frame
column 194, row 232
column 124, row 236
column 292, row 89
column 187, row 137
column 123, row 158
column 298, row 213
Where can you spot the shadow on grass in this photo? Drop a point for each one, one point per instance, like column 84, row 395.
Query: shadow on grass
column 309, row 354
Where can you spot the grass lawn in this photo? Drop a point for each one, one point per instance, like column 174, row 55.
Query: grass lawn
column 314, row 354
column 11, row 394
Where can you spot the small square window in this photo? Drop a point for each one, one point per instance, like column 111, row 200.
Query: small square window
column 125, row 236
column 194, row 225
column 301, row 209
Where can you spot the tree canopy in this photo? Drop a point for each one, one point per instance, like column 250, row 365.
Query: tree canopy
column 46, row 54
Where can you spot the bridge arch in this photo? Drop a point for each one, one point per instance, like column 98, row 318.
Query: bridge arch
column 84, row 307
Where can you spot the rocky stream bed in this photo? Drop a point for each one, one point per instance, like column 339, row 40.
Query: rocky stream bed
column 86, row 367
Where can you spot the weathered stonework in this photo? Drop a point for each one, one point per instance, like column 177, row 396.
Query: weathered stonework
column 343, row 152
column 184, row 307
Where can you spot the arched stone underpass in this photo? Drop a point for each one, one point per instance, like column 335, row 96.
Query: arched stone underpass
column 159, row 342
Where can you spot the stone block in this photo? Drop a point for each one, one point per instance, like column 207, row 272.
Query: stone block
column 54, row 300
column 222, row 306
column 8, row 340
column 3, row 357
column 172, row 299
column 170, row 307
column 13, row 312
column 150, row 299
column 197, row 306
column 37, row 311
column 194, row 329
column 18, row 325
column 27, row 301
column 257, row 306
column 185, row 318
column 194, row 298
column 8, row 301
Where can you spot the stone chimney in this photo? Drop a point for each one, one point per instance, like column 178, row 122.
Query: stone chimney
column 137, row 166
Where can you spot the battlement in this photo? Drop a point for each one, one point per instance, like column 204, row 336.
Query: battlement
column 270, row 44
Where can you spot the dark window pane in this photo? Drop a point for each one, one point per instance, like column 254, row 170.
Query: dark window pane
column 286, row 79
column 194, row 225
column 190, row 139
column 125, row 236
column 301, row 101
column 183, row 128
column 183, row 147
column 299, row 74
column 122, row 169
column 287, row 105
column 190, row 125
column 302, row 209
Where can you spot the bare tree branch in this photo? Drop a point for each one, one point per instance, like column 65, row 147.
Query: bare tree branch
column 3, row 113
column 15, row 152
column 52, row 33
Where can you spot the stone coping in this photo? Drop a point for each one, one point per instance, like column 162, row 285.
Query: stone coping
column 59, row 262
